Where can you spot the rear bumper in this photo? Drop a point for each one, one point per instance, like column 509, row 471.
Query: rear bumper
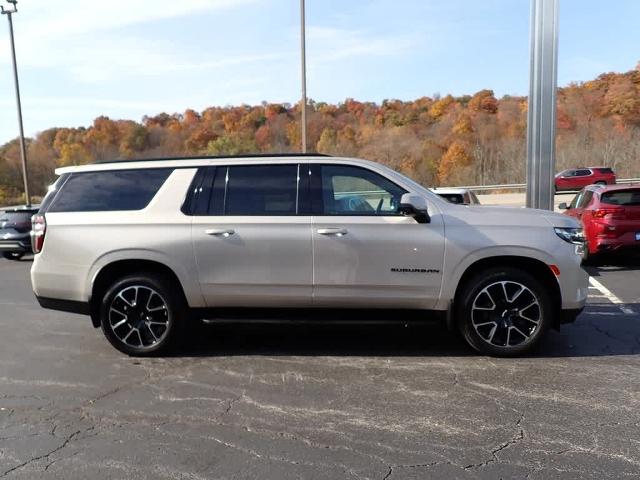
column 69, row 306
column 18, row 245
column 624, row 242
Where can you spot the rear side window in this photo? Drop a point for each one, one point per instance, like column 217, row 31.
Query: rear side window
column 605, row 170
column 261, row 190
column 109, row 190
column 582, row 173
column 622, row 197
column 452, row 197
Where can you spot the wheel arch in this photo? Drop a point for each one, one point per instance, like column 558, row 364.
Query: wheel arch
column 107, row 274
column 534, row 266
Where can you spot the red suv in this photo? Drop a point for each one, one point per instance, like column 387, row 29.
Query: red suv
column 610, row 216
column 577, row 178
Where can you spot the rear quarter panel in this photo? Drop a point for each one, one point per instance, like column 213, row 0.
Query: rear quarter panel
column 79, row 244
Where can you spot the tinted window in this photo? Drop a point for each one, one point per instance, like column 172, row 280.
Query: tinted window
column 622, row 197
column 109, row 190
column 585, row 199
column 350, row 190
column 51, row 192
column 576, row 199
column 583, row 173
column 605, row 170
column 260, row 190
column 452, row 197
column 20, row 221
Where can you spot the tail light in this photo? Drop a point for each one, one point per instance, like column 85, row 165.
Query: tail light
column 38, row 230
column 603, row 212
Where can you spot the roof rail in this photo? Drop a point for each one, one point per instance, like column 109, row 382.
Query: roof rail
column 197, row 157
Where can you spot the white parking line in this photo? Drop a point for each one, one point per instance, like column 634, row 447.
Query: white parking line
column 608, row 294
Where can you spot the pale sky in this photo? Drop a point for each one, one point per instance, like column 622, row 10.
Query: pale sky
column 82, row 58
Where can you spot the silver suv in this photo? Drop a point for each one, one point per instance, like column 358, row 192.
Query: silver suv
column 145, row 246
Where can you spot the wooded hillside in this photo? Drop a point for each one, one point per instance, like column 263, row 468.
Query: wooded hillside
column 473, row 139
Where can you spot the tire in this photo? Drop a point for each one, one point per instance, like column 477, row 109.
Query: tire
column 13, row 255
column 590, row 259
column 601, row 182
column 140, row 314
column 521, row 314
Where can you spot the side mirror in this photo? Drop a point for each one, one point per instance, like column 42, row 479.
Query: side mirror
column 414, row 206
column 563, row 206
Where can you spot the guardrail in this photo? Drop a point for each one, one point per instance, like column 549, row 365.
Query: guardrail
column 520, row 186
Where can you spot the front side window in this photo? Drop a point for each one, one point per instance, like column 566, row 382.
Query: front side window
column 260, row 190
column 576, row 200
column 585, row 199
column 109, row 190
column 348, row 190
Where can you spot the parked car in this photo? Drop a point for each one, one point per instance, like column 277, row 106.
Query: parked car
column 144, row 246
column 610, row 216
column 15, row 225
column 461, row 196
column 577, row 178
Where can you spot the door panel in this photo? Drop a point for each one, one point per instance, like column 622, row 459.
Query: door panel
column 390, row 262
column 365, row 253
column 253, row 245
column 265, row 261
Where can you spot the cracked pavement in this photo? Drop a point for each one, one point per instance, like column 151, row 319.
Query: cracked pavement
column 296, row 401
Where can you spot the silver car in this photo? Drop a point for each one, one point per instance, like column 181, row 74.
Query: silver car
column 145, row 246
column 461, row 196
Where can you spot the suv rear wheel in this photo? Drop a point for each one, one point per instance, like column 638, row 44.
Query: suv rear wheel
column 13, row 255
column 503, row 312
column 139, row 314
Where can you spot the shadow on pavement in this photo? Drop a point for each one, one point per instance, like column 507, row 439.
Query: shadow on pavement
column 618, row 262
column 593, row 334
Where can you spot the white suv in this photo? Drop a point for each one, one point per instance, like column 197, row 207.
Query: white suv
column 144, row 246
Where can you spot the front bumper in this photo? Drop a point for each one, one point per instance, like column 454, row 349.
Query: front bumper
column 570, row 315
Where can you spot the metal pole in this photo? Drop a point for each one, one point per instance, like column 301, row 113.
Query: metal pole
column 303, row 126
column 541, row 124
column 23, row 150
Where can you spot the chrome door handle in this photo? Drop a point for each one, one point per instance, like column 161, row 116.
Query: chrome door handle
column 338, row 232
column 220, row 232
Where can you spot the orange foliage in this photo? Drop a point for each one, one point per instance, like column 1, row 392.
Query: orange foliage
column 448, row 140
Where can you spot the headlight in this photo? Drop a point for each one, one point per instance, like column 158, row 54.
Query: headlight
column 571, row 235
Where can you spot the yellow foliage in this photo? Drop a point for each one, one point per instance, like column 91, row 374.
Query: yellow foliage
column 440, row 107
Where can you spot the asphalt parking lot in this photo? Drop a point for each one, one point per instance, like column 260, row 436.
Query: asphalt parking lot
column 321, row 402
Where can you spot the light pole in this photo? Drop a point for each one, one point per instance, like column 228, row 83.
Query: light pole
column 303, row 66
column 23, row 150
column 541, row 122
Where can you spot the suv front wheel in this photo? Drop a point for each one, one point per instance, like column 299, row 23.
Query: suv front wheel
column 503, row 311
column 139, row 314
